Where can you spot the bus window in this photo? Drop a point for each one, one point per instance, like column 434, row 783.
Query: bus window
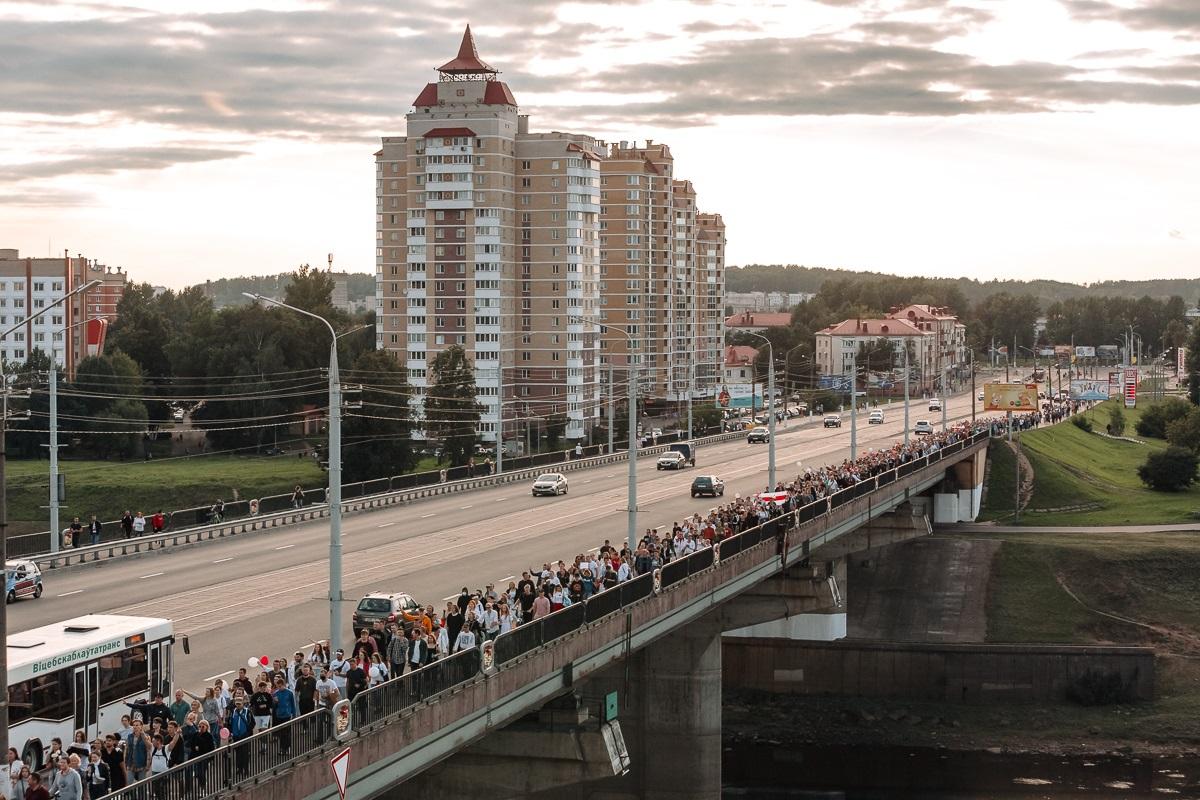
column 122, row 675
column 19, row 705
column 51, row 696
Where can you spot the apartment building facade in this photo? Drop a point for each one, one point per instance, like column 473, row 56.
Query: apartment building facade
column 546, row 256
column 69, row 333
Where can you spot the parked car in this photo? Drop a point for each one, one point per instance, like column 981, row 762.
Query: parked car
column 979, row 396
column 876, row 417
column 759, row 434
column 707, row 485
column 551, row 483
column 923, row 427
column 385, row 607
column 672, row 460
column 655, row 433
column 935, row 404
column 833, row 421
column 22, row 579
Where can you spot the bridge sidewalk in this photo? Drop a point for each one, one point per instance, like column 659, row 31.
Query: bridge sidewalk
column 989, row 528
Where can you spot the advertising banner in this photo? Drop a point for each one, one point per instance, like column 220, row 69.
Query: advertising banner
column 1047, row 352
column 1114, row 383
column 1062, row 351
column 1131, row 379
column 740, row 395
column 1089, row 390
column 1180, row 357
column 1085, row 352
column 1010, row 397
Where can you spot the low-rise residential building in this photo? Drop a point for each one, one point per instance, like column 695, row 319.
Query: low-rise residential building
column 838, row 346
column 752, row 322
column 765, row 301
column 739, row 364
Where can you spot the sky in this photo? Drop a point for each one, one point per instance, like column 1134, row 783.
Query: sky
column 986, row 138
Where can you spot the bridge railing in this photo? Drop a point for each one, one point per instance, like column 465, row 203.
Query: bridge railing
column 251, row 759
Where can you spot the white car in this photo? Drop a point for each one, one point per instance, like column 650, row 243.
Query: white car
column 979, row 396
column 672, row 460
column 655, row 433
column 923, row 427
column 935, row 404
column 876, row 417
column 551, row 483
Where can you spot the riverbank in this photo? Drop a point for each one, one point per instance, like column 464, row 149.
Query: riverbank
column 789, row 721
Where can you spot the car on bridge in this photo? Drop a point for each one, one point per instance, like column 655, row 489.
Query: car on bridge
column 758, row 434
column 876, row 417
column 22, row 579
column 709, row 485
column 833, row 421
column 935, row 404
column 672, row 460
column 923, row 427
column 385, row 607
column 551, row 483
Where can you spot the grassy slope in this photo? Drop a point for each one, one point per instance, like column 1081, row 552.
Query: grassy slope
column 106, row 488
column 1144, row 577
column 1001, row 484
column 1072, row 468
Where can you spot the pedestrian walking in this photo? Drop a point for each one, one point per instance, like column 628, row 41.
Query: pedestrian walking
column 127, row 523
column 139, row 524
column 94, row 529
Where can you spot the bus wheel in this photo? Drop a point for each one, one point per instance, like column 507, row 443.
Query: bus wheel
column 11, row 597
column 32, row 752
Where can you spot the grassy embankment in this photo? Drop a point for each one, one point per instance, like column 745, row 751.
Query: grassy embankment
column 107, row 488
column 1084, row 479
column 1146, row 582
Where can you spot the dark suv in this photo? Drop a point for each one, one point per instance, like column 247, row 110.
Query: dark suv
column 707, row 485
column 387, row 608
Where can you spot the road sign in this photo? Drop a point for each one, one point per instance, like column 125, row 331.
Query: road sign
column 341, row 770
column 610, row 706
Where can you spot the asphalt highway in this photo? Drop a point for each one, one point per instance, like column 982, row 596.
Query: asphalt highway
column 265, row 593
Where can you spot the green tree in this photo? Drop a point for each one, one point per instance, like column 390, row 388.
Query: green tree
column 1192, row 365
column 142, row 329
column 451, row 411
column 1185, row 431
column 556, row 426
column 1155, row 420
column 1170, row 470
column 105, row 397
column 1116, row 420
column 377, row 440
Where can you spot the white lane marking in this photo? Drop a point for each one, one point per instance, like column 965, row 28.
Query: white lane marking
column 451, row 597
column 214, row 677
column 464, row 508
column 151, row 575
column 223, row 560
column 499, row 499
column 589, row 480
column 284, row 546
column 427, row 516
column 68, row 594
column 385, row 525
column 499, row 580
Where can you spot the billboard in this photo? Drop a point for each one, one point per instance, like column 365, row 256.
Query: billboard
column 741, row 395
column 1010, row 397
column 1062, row 351
column 1180, row 357
column 1131, row 379
column 1109, row 351
column 1085, row 352
column 1047, row 352
column 1114, row 383
column 1089, row 389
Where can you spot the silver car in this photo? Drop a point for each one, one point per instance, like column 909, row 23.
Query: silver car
column 551, row 483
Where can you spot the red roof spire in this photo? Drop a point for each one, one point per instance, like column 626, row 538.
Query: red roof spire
column 467, row 61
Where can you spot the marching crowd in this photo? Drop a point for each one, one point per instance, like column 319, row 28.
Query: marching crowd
column 156, row 736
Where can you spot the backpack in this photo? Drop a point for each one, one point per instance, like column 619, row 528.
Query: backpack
column 239, row 722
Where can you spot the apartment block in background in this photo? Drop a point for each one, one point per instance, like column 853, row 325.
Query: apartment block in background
column 513, row 244
column 487, row 237
column 69, row 333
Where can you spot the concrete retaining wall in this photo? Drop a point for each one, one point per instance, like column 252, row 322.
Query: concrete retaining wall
column 957, row 673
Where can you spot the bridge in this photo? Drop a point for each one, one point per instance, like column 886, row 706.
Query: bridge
column 534, row 711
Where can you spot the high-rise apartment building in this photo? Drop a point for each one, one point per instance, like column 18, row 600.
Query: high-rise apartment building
column 513, row 244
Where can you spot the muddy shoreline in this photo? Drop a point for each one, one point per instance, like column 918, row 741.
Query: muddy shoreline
column 789, row 720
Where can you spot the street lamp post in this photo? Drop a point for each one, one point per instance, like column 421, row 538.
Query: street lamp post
column 771, row 408
column 4, row 776
column 787, row 375
column 906, row 393
column 631, row 532
column 335, row 471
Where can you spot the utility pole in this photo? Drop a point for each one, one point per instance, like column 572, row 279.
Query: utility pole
column 54, row 500
column 691, row 391
column 500, row 425
column 973, row 392
column 906, row 393
column 853, row 406
column 610, row 408
column 1017, row 491
column 633, row 448
column 945, row 400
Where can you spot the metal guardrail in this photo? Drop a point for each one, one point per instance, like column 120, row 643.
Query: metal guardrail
column 119, row 547
column 258, row 757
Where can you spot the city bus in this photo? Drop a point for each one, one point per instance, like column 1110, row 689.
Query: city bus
column 79, row 674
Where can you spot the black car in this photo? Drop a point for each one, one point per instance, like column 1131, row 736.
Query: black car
column 709, row 485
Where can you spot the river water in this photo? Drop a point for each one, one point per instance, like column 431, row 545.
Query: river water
column 758, row 772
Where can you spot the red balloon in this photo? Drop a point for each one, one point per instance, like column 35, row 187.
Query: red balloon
column 264, row 660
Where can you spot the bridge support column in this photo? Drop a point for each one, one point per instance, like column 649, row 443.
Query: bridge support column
column 680, row 692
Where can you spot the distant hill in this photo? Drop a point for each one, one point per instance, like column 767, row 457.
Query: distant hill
column 796, row 278
column 228, row 291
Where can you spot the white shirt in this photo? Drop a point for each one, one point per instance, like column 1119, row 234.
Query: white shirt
column 465, row 640
column 506, row 623
column 491, row 620
column 323, row 687
column 338, row 668
column 139, row 524
column 623, row 572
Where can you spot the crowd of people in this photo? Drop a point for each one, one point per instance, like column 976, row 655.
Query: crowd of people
column 156, row 736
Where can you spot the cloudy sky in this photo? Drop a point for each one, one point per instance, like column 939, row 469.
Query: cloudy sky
column 990, row 138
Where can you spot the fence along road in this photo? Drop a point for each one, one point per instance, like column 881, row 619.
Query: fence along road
column 430, row 713
column 429, row 550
